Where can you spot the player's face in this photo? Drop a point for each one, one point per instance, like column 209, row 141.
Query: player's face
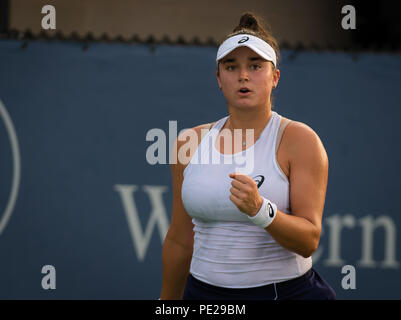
column 244, row 69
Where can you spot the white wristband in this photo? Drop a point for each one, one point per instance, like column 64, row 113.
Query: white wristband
column 265, row 215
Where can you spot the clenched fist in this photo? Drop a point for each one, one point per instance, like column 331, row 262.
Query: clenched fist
column 245, row 194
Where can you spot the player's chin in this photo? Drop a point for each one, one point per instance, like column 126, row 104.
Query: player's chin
column 246, row 103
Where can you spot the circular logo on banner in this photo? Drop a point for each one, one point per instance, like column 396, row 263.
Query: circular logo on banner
column 243, row 39
column 16, row 173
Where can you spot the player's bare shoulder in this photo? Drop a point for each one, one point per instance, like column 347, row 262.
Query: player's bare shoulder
column 300, row 140
column 199, row 132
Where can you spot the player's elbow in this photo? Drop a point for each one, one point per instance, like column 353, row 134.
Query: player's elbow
column 312, row 245
column 307, row 252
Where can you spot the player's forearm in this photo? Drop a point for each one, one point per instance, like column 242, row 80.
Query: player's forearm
column 295, row 233
column 176, row 261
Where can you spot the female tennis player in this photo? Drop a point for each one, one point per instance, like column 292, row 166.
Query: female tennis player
column 236, row 235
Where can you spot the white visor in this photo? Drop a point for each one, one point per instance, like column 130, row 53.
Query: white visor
column 261, row 47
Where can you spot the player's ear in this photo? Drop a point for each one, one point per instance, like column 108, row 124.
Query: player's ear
column 218, row 77
column 276, row 77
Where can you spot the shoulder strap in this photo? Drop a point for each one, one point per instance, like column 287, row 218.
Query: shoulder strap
column 280, row 132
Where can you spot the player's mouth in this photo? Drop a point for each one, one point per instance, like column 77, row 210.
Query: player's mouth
column 244, row 91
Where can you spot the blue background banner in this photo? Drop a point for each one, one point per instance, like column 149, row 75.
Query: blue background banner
column 77, row 191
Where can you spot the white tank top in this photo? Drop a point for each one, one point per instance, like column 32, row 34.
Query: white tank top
column 229, row 250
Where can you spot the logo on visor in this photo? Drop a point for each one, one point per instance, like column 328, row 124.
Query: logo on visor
column 243, row 39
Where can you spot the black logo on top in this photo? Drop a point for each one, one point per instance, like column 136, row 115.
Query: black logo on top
column 243, row 39
column 259, row 180
column 271, row 211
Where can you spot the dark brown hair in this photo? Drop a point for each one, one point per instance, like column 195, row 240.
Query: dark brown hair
column 251, row 24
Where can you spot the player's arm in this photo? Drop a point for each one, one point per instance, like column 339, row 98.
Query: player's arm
column 308, row 163
column 178, row 244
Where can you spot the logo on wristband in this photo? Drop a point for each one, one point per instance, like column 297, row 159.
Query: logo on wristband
column 271, row 211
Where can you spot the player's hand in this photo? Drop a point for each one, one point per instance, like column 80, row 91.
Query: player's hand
column 245, row 194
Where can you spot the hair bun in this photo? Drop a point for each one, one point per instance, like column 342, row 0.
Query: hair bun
column 248, row 21
column 255, row 25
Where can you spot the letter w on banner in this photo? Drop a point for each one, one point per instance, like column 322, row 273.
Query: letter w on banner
column 157, row 216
